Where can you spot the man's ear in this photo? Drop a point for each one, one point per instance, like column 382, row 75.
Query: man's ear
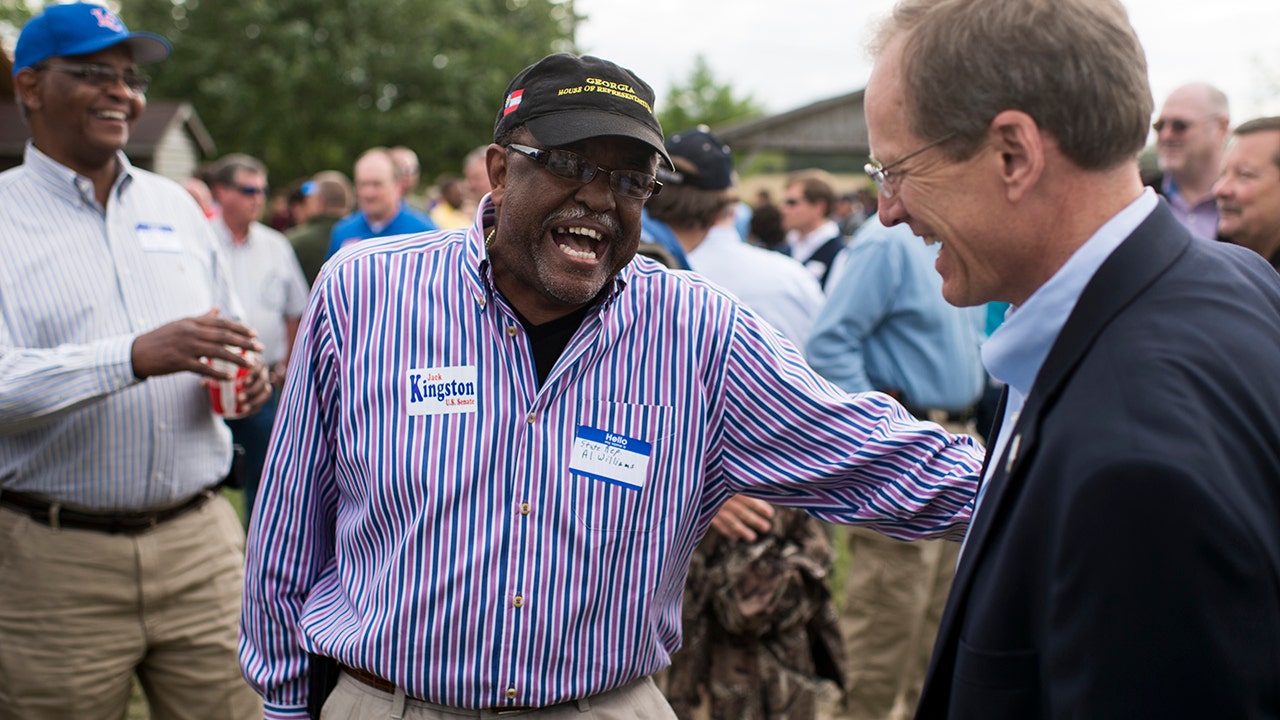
column 26, row 84
column 495, row 160
column 1021, row 144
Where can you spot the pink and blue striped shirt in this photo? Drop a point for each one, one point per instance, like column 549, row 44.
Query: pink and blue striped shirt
column 433, row 516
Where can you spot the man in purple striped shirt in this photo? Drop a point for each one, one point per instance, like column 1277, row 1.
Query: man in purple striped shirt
column 498, row 446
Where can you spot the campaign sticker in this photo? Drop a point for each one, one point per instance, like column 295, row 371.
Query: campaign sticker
column 610, row 457
column 441, row 391
column 154, row 237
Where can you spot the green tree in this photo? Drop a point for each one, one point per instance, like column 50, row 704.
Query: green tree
column 704, row 101
column 308, row 84
column 13, row 15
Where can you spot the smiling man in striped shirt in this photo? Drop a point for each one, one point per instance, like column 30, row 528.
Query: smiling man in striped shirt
column 520, row 546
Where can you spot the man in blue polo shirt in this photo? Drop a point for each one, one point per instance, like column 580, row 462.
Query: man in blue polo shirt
column 380, row 206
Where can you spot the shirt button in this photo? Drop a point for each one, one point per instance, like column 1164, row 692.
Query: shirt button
column 524, row 508
column 511, row 693
column 511, row 330
column 518, row 601
column 480, row 300
column 533, row 417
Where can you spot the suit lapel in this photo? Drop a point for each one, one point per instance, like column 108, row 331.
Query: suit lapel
column 1131, row 268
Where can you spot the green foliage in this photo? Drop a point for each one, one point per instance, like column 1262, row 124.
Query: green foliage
column 307, row 85
column 13, row 15
column 703, row 101
column 15, row 12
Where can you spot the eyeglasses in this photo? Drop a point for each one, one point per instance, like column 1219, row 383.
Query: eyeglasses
column 572, row 166
column 880, row 173
column 250, row 190
column 103, row 76
column 1176, row 126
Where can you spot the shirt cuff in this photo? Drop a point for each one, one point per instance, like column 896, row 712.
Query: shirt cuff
column 115, row 358
column 284, row 712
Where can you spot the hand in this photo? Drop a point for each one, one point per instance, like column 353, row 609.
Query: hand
column 179, row 346
column 741, row 517
column 276, row 374
column 257, row 389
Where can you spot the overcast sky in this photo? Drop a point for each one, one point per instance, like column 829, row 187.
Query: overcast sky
column 788, row 53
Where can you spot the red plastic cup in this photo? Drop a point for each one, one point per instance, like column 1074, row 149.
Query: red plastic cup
column 223, row 393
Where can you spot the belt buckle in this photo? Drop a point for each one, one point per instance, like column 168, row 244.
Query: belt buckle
column 504, row 712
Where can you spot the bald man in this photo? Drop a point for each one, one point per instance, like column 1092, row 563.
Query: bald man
column 1191, row 134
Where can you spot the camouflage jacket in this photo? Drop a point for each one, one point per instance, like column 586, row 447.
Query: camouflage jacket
column 760, row 628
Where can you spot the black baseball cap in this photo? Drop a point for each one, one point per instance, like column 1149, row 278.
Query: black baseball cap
column 564, row 99
column 710, row 157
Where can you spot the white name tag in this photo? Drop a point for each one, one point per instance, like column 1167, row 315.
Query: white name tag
column 609, row 457
column 154, row 237
column 441, row 391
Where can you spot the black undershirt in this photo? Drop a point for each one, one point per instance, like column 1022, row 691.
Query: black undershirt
column 549, row 339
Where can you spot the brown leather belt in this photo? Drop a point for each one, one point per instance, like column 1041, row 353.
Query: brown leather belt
column 383, row 685
column 57, row 515
column 369, row 679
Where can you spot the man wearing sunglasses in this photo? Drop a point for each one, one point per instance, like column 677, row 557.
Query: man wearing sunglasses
column 268, row 279
column 499, row 445
column 120, row 557
column 1191, row 136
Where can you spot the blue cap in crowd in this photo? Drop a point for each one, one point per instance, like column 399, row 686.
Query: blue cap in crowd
column 711, row 159
column 81, row 29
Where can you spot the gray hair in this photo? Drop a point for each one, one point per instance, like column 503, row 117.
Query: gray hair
column 1075, row 66
column 224, row 172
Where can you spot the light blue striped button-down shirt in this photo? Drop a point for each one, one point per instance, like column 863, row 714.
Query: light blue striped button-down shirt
column 488, row 544
column 78, row 282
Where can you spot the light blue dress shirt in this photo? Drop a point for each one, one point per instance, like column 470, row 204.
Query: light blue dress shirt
column 79, row 282
column 886, row 325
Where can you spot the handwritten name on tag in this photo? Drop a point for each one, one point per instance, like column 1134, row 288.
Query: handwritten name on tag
column 612, row 458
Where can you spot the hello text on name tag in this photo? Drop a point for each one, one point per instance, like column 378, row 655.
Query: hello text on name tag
column 609, row 457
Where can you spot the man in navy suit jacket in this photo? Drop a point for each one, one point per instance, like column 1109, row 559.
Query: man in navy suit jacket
column 1124, row 557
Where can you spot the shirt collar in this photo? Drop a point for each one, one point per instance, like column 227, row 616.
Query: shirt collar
column 718, row 238
column 803, row 246
column 1017, row 349
column 67, row 183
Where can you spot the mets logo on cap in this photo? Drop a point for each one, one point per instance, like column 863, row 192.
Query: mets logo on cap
column 107, row 20
column 513, row 102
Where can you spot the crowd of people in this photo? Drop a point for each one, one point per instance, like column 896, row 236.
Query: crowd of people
column 563, row 437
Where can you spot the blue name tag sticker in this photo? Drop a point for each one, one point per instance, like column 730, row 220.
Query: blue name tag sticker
column 610, row 457
column 156, row 237
column 441, row 391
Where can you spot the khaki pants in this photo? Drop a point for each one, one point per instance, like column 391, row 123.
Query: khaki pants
column 894, row 596
column 353, row 700
column 82, row 612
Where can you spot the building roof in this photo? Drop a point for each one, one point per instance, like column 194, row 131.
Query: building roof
column 833, row 126
column 160, row 117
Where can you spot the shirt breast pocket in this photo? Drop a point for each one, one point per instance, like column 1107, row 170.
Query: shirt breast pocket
column 274, row 292
column 619, row 450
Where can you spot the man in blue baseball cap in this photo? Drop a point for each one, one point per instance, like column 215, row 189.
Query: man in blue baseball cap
column 122, row 557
